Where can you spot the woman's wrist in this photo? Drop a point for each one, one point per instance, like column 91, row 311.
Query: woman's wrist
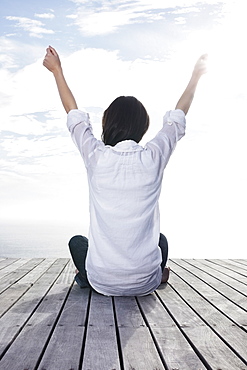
column 57, row 71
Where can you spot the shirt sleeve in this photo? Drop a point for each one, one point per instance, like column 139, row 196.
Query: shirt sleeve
column 78, row 123
column 173, row 130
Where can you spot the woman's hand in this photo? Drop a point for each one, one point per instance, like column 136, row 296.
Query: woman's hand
column 52, row 61
column 187, row 97
column 53, row 64
column 200, row 66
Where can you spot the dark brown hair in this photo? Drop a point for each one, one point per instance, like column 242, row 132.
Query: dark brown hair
column 124, row 119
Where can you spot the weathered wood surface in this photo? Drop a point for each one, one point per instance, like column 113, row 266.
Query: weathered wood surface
column 196, row 321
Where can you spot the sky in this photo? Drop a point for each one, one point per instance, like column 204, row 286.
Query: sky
column 142, row 48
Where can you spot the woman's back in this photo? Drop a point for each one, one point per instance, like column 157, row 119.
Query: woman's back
column 124, row 187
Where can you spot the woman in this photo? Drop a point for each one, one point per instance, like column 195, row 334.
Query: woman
column 125, row 253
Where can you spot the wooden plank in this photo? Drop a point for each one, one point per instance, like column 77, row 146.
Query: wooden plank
column 139, row 351
column 16, row 317
column 239, row 261
column 232, row 334
column 6, row 262
column 68, row 275
column 128, row 313
column 17, row 290
column 63, row 351
column 10, row 267
column 235, row 296
column 229, row 280
column 26, row 351
column 235, row 313
column 173, row 346
column 17, row 274
column 241, row 269
column 223, row 270
column 54, row 271
column 204, row 340
column 11, row 295
column 137, row 347
column 101, row 350
column 35, row 274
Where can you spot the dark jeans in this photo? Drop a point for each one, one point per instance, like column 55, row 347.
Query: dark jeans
column 78, row 246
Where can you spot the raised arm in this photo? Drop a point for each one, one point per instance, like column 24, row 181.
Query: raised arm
column 53, row 64
column 186, row 99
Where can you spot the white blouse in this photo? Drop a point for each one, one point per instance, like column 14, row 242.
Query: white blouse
column 124, row 187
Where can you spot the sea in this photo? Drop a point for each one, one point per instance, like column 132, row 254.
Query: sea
column 37, row 239
column 49, row 239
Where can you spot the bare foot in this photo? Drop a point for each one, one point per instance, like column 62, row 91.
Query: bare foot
column 165, row 275
column 76, row 271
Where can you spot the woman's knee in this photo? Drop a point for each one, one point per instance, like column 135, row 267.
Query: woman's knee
column 77, row 241
column 163, row 241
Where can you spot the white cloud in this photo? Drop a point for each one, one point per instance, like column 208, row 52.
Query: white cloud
column 72, row 16
column 157, row 4
column 108, row 16
column 102, row 23
column 6, row 61
column 180, row 20
column 34, row 27
column 44, row 15
column 186, row 10
column 15, row 54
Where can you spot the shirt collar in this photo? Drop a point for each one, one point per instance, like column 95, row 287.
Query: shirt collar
column 127, row 146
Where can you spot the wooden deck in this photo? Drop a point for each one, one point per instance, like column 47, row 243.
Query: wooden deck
column 197, row 321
